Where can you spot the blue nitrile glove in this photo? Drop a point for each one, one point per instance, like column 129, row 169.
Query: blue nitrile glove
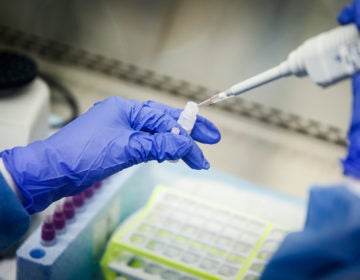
column 114, row 134
column 329, row 246
column 351, row 164
column 350, row 14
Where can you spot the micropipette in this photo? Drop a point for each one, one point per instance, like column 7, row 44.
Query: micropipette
column 327, row 58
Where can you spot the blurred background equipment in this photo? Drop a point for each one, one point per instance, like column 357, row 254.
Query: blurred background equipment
column 64, row 106
column 16, row 70
column 24, row 101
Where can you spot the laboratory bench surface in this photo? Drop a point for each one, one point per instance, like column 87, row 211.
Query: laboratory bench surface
column 276, row 159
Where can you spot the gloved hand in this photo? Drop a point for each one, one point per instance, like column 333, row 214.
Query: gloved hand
column 114, row 134
column 351, row 164
column 329, row 246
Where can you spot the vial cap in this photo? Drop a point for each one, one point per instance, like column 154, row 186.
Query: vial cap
column 48, row 230
column 78, row 200
column 59, row 218
column 68, row 209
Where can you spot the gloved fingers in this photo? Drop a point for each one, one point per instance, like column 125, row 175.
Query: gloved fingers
column 174, row 112
column 204, row 131
column 153, row 120
column 138, row 115
column 166, row 146
column 196, row 159
column 144, row 146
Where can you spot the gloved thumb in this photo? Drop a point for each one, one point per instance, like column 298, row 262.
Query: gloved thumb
column 159, row 146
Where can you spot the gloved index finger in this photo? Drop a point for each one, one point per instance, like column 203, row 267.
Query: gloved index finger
column 153, row 120
column 205, row 131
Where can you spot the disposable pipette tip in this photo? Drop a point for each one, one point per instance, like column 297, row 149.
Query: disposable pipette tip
column 215, row 98
column 205, row 103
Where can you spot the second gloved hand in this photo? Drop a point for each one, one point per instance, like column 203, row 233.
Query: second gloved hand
column 114, row 134
column 328, row 247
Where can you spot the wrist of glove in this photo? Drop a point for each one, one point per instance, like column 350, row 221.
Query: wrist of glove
column 328, row 246
column 114, row 134
column 351, row 164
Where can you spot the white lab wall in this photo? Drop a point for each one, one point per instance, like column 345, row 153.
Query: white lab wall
column 207, row 42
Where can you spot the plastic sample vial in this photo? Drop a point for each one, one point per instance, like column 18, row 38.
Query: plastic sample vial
column 48, row 233
column 187, row 117
column 69, row 210
column 78, row 201
column 97, row 185
column 89, row 192
column 59, row 219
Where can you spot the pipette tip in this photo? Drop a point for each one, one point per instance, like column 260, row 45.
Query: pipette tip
column 205, row 103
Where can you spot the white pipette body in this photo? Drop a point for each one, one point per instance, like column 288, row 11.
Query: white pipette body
column 326, row 58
